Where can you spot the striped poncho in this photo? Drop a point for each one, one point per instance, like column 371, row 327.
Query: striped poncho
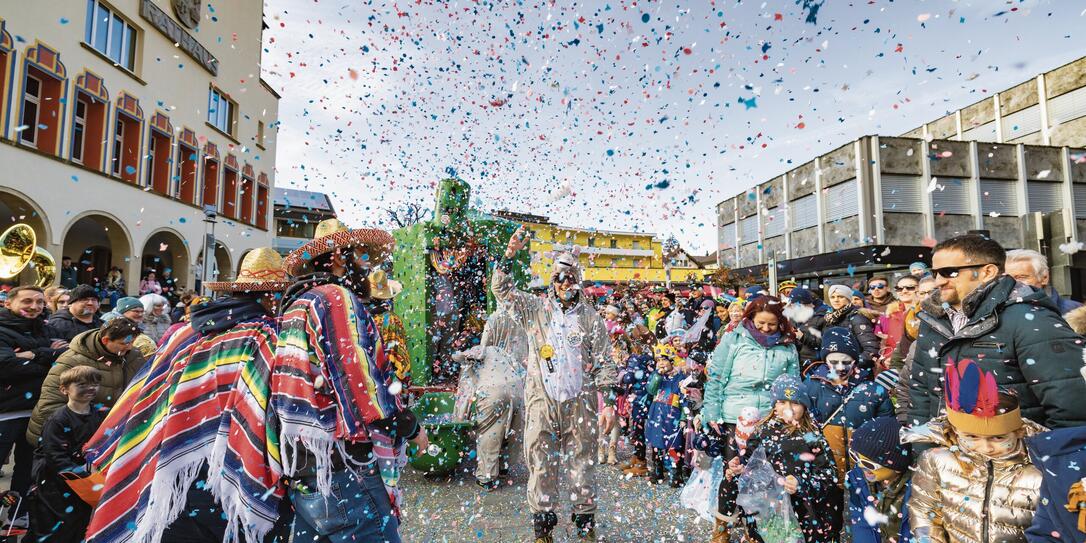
column 202, row 400
column 330, row 385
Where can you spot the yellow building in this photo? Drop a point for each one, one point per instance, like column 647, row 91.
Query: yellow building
column 607, row 256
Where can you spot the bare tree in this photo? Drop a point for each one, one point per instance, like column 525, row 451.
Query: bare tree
column 408, row 214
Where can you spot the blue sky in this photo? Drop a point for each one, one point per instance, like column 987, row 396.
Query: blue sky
column 623, row 115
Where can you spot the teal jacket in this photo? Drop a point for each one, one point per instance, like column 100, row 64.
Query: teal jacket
column 741, row 373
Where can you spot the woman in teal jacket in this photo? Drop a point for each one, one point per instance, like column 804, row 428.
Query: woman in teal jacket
column 745, row 364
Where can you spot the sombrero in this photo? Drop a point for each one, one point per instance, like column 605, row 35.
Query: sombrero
column 261, row 271
column 332, row 234
column 383, row 288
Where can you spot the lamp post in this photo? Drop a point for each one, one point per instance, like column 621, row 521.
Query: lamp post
column 670, row 250
column 210, row 216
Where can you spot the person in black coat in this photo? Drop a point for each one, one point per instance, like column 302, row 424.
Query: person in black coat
column 27, row 350
column 860, row 321
column 808, row 315
column 80, row 315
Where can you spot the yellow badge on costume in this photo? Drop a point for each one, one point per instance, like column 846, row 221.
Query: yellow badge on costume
column 546, row 351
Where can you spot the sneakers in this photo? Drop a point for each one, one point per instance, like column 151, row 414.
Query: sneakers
column 489, row 485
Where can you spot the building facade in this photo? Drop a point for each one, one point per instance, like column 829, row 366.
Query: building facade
column 296, row 214
column 123, row 122
column 1049, row 109
column 607, row 257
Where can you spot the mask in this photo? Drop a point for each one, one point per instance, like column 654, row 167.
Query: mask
column 840, row 365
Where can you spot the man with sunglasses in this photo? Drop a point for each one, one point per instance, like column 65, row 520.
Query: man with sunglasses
column 879, row 294
column 569, row 361
column 1011, row 329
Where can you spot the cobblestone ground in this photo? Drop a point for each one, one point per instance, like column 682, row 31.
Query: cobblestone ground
column 455, row 509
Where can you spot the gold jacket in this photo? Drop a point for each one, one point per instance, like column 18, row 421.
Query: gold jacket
column 960, row 498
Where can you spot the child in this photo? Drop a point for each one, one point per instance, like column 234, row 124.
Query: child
column 56, row 513
column 635, row 381
column 663, row 430
column 878, row 486
column 843, row 397
column 978, row 483
column 608, row 436
column 801, row 456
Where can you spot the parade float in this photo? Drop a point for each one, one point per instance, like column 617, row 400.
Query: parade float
column 445, row 265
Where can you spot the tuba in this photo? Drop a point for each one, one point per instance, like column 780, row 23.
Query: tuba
column 18, row 248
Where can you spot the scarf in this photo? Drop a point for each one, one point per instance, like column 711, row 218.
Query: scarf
column 837, row 315
column 765, row 340
column 330, row 383
column 202, row 401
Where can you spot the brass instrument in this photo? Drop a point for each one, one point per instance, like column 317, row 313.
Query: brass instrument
column 18, row 248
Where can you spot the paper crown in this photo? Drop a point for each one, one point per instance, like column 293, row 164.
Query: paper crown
column 972, row 401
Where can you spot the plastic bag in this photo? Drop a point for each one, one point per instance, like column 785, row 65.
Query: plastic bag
column 762, row 496
column 700, row 492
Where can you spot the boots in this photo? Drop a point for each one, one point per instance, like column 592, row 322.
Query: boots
column 721, row 532
column 636, row 468
column 543, row 523
column 611, row 459
column 586, row 527
column 657, row 475
column 601, row 455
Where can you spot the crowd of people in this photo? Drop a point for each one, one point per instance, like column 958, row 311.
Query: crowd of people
column 939, row 403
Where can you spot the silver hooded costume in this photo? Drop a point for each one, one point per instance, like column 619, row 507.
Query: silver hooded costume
column 569, row 360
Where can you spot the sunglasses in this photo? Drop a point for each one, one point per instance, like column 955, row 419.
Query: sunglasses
column 864, row 463
column 564, row 277
column 877, row 286
column 905, row 289
column 950, row 272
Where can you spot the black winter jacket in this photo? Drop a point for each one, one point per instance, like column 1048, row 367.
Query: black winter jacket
column 65, row 324
column 1015, row 332
column 862, row 324
column 811, row 342
column 21, row 379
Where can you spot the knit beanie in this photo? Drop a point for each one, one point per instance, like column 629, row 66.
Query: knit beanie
column 857, row 293
column 789, row 388
column 841, row 290
column 127, row 303
column 803, row 295
column 753, row 292
column 82, row 292
column 838, row 339
column 879, row 440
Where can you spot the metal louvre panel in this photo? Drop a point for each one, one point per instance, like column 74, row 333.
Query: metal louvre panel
column 1022, row 123
column 951, row 196
column 727, row 236
column 984, row 132
column 748, row 229
column 842, row 201
column 998, row 196
column 804, row 212
column 774, row 222
column 902, row 194
column 1067, row 106
column 1043, row 197
column 1079, row 191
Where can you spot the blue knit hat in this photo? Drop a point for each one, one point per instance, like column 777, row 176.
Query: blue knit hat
column 803, row 295
column 838, row 339
column 879, row 440
column 789, row 388
column 127, row 303
column 753, row 292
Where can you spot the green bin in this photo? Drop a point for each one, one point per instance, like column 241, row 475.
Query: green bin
column 434, row 410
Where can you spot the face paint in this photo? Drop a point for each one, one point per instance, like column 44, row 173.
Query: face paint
column 991, row 447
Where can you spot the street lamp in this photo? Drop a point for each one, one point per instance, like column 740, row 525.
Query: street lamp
column 210, row 215
column 670, row 250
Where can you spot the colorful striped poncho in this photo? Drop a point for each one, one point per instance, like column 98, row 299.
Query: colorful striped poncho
column 330, row 384
column 202, row 399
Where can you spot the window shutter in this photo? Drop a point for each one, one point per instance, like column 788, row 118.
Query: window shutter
column 998, row 196
column 1022, row 123
column 901, row 194
column 774, row 222
column 804, row 212
column 1044, row 197
column 748, row 229
column 1067, row 107
column 842, row 201
column 1079, row 190
column 951, row 196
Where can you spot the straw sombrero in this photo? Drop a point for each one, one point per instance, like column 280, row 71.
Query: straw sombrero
column 383, row 288
column 261, row 271
column 332, row 234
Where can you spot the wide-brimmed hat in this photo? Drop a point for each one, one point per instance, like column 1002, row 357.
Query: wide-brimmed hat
column 383, row 288
column 332, row 234
column 261, row 271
